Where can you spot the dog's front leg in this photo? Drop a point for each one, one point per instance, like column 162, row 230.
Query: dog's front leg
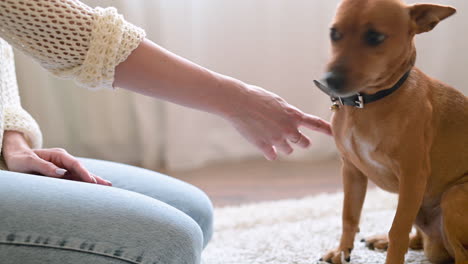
column 412, row 186
column 355, row 187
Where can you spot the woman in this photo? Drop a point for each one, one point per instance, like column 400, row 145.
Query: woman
column 149, row 217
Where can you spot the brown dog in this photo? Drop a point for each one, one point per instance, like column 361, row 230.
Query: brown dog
column 396, row 126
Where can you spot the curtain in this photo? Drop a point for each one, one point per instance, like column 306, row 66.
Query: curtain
column 281, row 45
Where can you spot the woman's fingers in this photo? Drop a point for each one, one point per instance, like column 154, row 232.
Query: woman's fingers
column 47, row 168
column 284, row 147
column 101, row 180
column 268, row 150
column 66, row 161
column 299, row 139
column 316, row 124
column 75, row 167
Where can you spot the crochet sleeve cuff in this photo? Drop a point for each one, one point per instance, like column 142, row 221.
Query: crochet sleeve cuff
column 17, row 119
column 70, row 39
column 112, row 41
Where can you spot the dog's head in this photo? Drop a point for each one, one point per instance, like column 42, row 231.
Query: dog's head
column 372, row 42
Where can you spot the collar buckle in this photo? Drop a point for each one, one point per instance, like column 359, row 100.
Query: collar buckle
column 359, row 103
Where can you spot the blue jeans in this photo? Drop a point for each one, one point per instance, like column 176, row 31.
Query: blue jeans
column 146, row 218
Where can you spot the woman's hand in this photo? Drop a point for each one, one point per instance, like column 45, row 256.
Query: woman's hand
column 270, row 123
column 56, row 163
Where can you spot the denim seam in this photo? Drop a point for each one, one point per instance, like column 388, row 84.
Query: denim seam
column 107, row 249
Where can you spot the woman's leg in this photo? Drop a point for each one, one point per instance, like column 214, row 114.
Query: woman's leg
column 181, row 195
column 46, row 220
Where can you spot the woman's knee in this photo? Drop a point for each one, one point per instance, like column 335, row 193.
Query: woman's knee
column 180, row 243
column 198, row 206
column 181, row 195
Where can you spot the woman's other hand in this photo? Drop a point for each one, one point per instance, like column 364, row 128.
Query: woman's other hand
column 56, row 163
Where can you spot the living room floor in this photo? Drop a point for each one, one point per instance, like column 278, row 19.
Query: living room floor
column 258, row 180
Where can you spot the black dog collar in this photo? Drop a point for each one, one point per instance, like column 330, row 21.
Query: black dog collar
column 359, row 100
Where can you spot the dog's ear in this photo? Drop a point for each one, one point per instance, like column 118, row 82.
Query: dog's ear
column 426, row 16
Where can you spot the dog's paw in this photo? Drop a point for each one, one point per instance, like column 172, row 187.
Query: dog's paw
column 415, row 242
column 337, row 256
column 379, row 242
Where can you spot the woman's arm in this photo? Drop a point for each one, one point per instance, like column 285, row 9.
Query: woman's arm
column 85, row 44
column 261, row 117
column 14, row 116
column 70, row 39
column 21, row 134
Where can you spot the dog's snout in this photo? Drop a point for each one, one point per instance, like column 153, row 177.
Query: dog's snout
column 335, row 80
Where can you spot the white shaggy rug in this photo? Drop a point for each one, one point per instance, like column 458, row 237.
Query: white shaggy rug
column 297, row 231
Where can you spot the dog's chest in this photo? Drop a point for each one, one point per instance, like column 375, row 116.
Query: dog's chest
column 362, row 149
column 364, row 153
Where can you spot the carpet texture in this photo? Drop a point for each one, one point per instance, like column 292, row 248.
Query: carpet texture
column 298, row 231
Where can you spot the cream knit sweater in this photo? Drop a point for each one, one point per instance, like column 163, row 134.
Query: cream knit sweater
column 66, row 37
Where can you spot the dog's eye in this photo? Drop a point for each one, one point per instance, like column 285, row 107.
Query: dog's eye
column 335, row 35
column 374, row 38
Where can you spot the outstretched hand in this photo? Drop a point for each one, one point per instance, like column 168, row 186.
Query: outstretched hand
column 271, row 124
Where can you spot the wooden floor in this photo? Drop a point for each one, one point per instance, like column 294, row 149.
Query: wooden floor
column 254, row 181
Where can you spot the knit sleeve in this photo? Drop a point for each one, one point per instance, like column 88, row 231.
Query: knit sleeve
column 14, row 116
column 69, row 38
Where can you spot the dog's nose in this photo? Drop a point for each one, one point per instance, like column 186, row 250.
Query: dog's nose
column 335, row 80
